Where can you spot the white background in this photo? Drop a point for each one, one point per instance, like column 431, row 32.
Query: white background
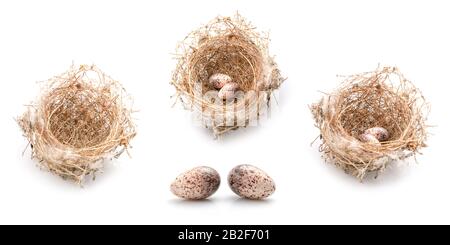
column 313, row 41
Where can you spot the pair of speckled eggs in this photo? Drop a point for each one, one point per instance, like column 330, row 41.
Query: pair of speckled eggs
column 245, row 180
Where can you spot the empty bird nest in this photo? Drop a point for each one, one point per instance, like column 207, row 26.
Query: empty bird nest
column 228, row 47
column 81, row 118
column 381, row 99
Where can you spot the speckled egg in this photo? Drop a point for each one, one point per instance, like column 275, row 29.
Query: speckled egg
column 219, row 80
column 369, row 138
column 380, row 133
column 197, row 183
column 227, row 92
column 250, row 182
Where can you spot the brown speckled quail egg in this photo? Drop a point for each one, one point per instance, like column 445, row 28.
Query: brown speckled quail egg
column 369, row 138
column 197, row 183
column 380, row 133
column 219, row 80
column 227, row 92
column 250, row 182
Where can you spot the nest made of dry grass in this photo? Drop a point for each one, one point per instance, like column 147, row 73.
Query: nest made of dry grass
column 231, row 46
column 81, row 118
column 380, row 98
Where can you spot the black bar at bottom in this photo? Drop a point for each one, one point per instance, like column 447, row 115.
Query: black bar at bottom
column 223, row 234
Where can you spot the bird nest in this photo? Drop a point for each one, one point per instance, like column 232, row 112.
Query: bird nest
column 381, row 98
column 81, row 118
column 230, row 46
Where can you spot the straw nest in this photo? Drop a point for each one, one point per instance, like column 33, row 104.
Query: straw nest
column 81, row 118
column 381, row 98
column 231, row 46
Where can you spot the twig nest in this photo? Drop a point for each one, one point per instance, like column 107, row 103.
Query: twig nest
column 225, row 50
column 81, row 118
column 196, row 184
column 373, row 119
